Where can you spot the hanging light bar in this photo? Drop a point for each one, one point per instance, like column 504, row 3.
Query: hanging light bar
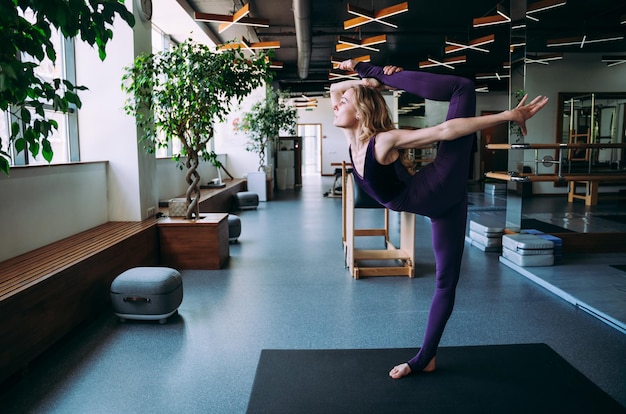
column 250, row 47
column 614, row 60
column 500, row 17
column 365, row 16
column 582, row 40
column 453, row 47
column 431, row 63
column 348, row 43
column 543, row 5
column 347, row 75
column 227, row 21
column 544, row 59
column 496, row 75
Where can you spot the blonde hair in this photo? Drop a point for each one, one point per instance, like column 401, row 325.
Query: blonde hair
column 373, row 112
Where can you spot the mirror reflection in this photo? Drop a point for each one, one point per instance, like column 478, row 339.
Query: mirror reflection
column 572, row 54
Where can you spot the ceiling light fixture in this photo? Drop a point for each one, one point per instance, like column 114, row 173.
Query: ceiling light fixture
column 453, row 47
column 227, row 21
column 347, row 75
column 543, row 5
column 348, row 43
column 500, row 17
column 431, row 63
column 251, row 47
column 276, row 65
column 581, row 41
column 614, row 60
column 544, row 59
column 365, row 16
column 496, row 75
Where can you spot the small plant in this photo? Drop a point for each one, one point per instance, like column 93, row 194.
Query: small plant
column 265, row 121
column 514, row 129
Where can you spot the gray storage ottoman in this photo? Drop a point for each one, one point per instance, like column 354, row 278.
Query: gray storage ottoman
column 234, row 228
column 247, row 200
column 147, row 293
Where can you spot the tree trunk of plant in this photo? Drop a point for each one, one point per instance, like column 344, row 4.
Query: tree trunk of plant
column 261, row 157
column 193, row 190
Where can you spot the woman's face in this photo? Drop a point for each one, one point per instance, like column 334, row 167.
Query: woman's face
column 345, row 111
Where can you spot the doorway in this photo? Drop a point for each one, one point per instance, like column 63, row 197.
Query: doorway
column 311, row 148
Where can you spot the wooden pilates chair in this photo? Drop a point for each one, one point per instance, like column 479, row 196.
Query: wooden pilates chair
column 400, row 259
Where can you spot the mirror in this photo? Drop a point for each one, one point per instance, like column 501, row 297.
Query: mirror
column 573, row 50
column 596, row 117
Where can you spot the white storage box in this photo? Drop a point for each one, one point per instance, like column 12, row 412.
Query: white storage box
column 487, row 228
column 528, row 260
column 486, row 241
column 495, row 188
column 527, row 244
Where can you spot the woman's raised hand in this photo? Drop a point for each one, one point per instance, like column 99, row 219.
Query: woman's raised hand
column 524, row 112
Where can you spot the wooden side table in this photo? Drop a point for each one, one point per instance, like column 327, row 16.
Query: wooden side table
column 199, row 244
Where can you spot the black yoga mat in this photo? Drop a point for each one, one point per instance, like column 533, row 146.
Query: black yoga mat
column 527, row 378
column 619, row 218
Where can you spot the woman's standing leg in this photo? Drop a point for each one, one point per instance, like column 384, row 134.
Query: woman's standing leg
column 448, row 236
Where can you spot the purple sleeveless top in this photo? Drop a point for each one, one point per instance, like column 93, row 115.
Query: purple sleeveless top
column 384, row 183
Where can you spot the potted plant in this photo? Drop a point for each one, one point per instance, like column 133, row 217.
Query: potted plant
column 265, row 120
column 181, row 94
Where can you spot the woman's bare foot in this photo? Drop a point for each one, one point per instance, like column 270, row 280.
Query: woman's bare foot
column 403, row 370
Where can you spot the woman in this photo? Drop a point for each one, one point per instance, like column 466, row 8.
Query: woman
column 438, row 190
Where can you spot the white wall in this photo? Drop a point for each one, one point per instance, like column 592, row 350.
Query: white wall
column 44, row 204
column 229, row 141
column 105, row 131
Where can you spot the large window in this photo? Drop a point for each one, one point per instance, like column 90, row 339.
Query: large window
column 64, row 140
column 161, row 42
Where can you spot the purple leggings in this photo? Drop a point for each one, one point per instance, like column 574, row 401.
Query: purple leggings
column 438, row 191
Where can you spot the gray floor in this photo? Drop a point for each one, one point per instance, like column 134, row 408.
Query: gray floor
column 286, row 287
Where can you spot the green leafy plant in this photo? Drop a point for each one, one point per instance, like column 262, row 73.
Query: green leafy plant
column 514, row 129
column 265, row 120
column 24, row 45
column 181, row 94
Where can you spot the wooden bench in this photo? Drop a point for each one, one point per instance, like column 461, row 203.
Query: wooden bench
column 217, row 199
column 221, row 200
column 592, row 187
column 47, row 292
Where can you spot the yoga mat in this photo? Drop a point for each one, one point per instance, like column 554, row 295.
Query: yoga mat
column 527, row 378
column 543, row 226
column 619, row 267
column 616, row 218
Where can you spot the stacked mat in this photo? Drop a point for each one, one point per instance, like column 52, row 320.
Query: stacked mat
column 527, row 250
column 495, row 188
column 486, row 235
column 558, row 243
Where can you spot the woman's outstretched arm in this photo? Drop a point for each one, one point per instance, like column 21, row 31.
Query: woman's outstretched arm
column 458, row 127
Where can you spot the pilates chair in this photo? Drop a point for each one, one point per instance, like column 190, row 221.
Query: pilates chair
column 401, row 259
